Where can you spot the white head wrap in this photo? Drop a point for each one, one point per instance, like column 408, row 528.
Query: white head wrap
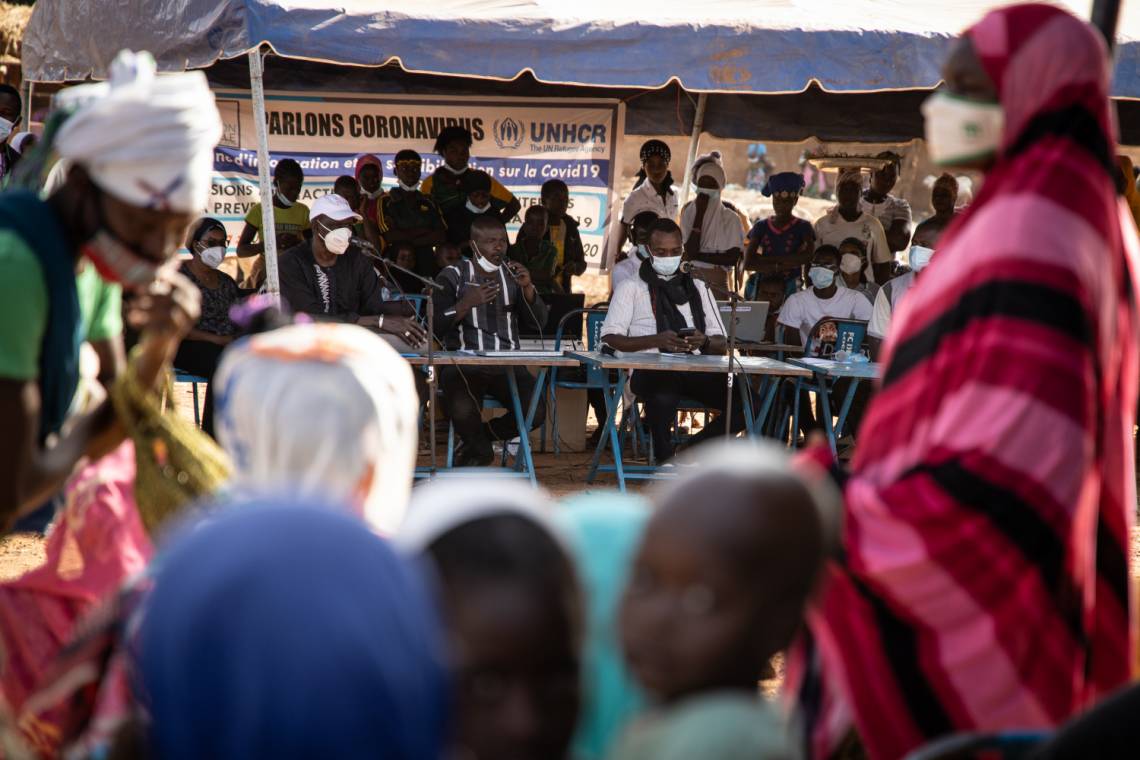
column 709, row 165
column 324, row 410
column 148, row 140
column 449, row 502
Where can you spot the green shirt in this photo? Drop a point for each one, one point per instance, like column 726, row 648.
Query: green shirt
column 24, row 307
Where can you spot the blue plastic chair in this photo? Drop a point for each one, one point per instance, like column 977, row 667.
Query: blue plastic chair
column 194, row 380
column 595, row 377
column 416, row 300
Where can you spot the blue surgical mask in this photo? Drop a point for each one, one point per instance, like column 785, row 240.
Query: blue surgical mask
column 666, row 266
column 920, row 257
column 821, row 277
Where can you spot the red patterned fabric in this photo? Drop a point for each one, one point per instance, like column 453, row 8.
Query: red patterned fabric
column 985, row 580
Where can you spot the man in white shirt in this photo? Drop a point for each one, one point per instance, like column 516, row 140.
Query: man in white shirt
column 627, row 268
column 653, row 190
column 891, row 211
column 666, row 310
column 891, row 294
column 713, row 234
column 846, row 220
column 803, row 310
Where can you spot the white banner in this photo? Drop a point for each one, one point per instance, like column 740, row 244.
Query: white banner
column 522, row 142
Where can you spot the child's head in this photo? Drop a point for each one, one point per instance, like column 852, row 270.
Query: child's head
column 642, row 224
column 404, row 254
column 723, row 574
column 535, row 222
column 447, row 254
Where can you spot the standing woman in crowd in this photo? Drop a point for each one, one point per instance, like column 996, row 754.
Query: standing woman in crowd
column 713, row 233
column 984, row 583
column 653, row 190
column 140, row 154
column 782, row 244
column 202, row 348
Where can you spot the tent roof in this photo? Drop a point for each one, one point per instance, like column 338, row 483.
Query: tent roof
column 760, row 46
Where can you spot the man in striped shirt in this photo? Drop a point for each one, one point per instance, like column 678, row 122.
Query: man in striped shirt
column 479, row 308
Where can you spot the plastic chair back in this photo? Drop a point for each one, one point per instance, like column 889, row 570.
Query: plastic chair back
column 417, row 300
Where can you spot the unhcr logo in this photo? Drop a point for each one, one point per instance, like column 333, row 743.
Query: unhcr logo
column 508, row 133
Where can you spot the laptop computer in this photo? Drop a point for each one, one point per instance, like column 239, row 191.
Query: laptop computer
column 751, row 319
column 558, row 305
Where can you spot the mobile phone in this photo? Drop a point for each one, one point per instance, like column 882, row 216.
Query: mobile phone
column 686, row 332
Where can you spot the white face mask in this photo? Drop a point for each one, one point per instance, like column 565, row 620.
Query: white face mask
column 212, row 257
column 961, row 131
column 482, row 260
column 712, row 192
column 6, row 128
column 477, row 209
column 666, row 266
column 452, row 169
column 373, row 195
column 408, row 188
column 821, row 277
column 338, row 240
column 282, row 200
column 850, row 263
column 920, row 257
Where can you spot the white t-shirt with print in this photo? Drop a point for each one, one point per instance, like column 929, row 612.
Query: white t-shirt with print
column 803, row 310
column 888, row 299
column 833, row 229
column 631, row 312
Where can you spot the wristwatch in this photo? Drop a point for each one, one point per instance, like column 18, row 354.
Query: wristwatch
column 380, row 322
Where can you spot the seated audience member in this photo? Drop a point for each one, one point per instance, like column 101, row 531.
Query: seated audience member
column 534, row 250
column 847, row 220
column 720, row 584
column 770, row 289
column 889, row 297
column 666, row 310
column 944, row 200
column 781, row 244
column 602, row 531
column 653, row 190
column 401, row 283
column 512, row 611
column 853, row 268
column 330, row 280
column 714, row 237
column 446, row 255
column 892, row 211
column 370, row 175
column 479, row 307
column 290, row 223
column 562, row 230
column 409, row 216
column 453, row 144
column 803, row 310
column 283, row 630
column 355, row 396
column 630, row 262
column 479, row 202
column 202, row 347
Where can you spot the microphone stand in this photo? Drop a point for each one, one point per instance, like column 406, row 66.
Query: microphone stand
column 432, row 285
column 733, row 299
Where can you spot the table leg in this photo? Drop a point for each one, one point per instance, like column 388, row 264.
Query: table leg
column 796, row 412
column 768, row 386
column 521, row 420
column 612, row 395
column 848, row 399
column 745, row 386
column 825, row 402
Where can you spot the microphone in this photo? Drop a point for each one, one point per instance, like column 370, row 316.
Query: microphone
column 362, row 243
column 685, row 268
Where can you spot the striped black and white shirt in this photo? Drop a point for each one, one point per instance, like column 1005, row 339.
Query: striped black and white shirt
column 491, row 326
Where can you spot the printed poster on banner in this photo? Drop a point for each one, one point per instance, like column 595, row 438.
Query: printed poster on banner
column 522, row 142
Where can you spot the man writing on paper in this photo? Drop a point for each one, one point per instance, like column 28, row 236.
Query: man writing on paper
column 479, row 309
column 668, row 311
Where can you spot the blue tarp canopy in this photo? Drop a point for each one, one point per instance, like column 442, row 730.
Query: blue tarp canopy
column 738, row 46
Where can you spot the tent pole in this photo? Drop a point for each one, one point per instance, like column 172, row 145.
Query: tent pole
column 694, row 144
column 26, row 116
column 268, row 230
column 1104, row 17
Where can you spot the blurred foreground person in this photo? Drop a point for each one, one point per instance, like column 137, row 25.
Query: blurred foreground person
column 302, row 635
column 321, row 410
column 139, row 154
column 985, row 578
column 603, row 531
column 719, row 585
column 511, row 606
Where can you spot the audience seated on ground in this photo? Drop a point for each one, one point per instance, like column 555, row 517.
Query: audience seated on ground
column 512, row 610
column 720, row 584
column 666, row 310
column 478, row 309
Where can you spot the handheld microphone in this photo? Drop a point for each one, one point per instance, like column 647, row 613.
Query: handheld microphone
column 362, row 243
column 685, row 268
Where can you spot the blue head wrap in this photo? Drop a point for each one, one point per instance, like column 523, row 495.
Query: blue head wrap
column 782, row 182
column 290, row 632
column 603, row 532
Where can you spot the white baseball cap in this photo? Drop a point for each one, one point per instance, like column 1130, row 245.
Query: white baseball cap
column 334, row 207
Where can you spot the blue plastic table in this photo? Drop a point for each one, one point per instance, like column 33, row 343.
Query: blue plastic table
column 828, row 369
